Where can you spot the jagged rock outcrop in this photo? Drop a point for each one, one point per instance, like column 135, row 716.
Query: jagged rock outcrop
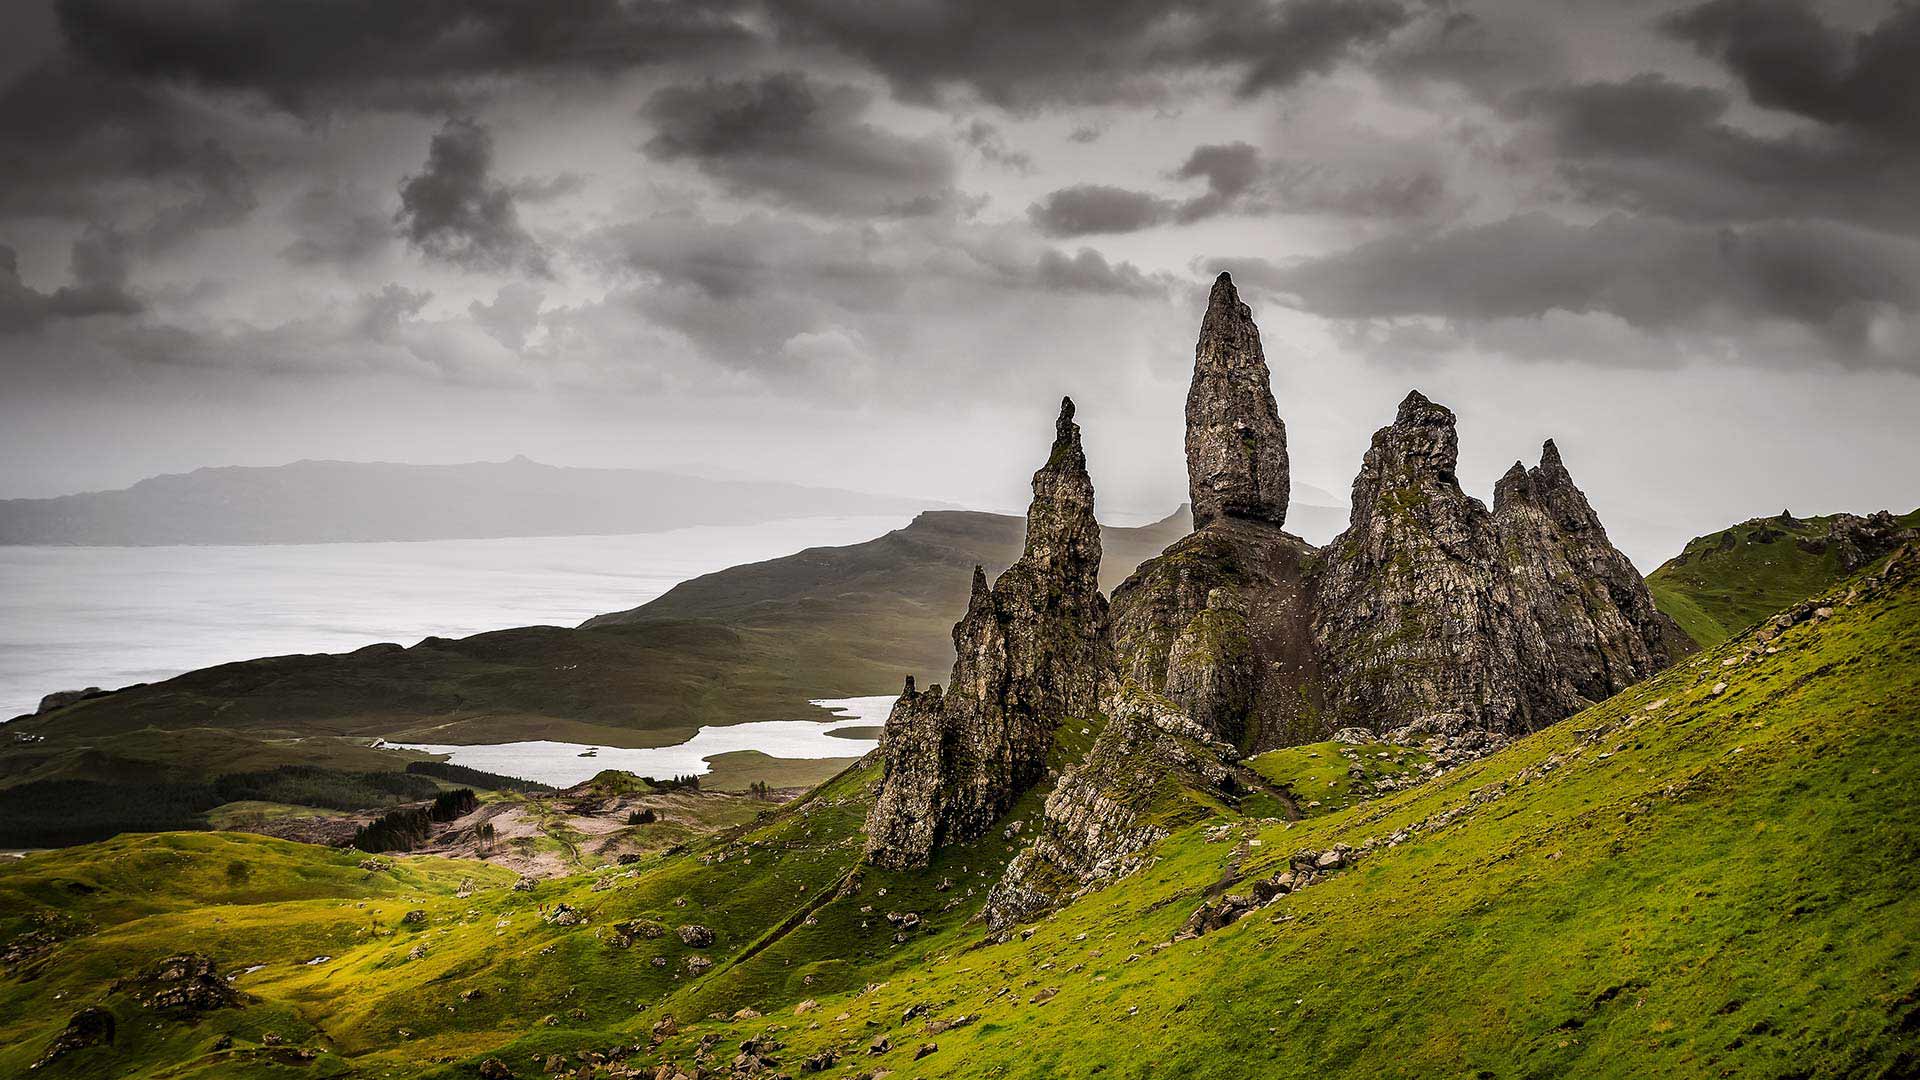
column 1434, row 616
column 1857, row 541
column 1030, row 652
column 1116, row 803
column 1585, row 608
column 1236, row 442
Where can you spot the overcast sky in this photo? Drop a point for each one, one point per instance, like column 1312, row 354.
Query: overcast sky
column 872, row 244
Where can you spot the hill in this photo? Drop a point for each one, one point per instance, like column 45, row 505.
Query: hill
column 1712, row 873
column 311, row 502
column 748, row 643
column 1724, row 582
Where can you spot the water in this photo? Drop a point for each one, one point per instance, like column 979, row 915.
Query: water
column 561, row 765
column 102, row 616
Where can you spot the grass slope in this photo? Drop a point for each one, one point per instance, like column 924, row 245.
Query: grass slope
column 1688, row 879
column 1724, row 582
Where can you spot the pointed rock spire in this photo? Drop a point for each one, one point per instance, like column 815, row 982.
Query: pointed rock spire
column 1029, row 653
column 1236, row 442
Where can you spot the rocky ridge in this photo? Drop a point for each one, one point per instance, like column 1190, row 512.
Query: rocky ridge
column 1430, row 618
column 1030, row 652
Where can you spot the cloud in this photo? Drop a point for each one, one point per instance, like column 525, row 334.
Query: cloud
column 1239, row 180
column 153, row 166
column 1650, row 144
column 336, row 226
column 512, row 316
column 1086, row 209
column 312, row 55
column 992, row 147
column 99, row 286
column 741, row 291
column 788, row 139
column 1050, row 52
column 1854, row 292
column 1789, row 58
column 455, row 211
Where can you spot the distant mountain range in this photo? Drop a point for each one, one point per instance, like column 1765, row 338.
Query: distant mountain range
column 343, row 501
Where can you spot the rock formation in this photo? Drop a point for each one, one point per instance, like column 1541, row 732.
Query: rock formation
column 1434, row 616
column 1590, row 628
column 1220, row 624
column 1030, row 652
column 1236, row 443
column 1113, row 805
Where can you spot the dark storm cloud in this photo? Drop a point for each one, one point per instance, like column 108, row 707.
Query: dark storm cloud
column 1650, row 144
column 309, row 54
column 457, row 212
column 78, row 146
column 1789, row 58
column 1093, row 51
column 789, row 139
column 1856, row 291
column 99, row 270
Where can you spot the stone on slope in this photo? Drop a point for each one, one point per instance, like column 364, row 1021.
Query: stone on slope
column 1236, row 442
column 1029, row 654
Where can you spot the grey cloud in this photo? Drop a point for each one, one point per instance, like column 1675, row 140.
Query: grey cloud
column 512, row 316
column 457, row 212
column 992, row 147
column 743, row 291
column 1086, row 209
column 336, row 226
column 99, row 286
column 1855, row 291
column 153, row 165
column 1097, row 51
column 305, row 55
column 1087, row 271
column 788, row 139
column 1650, row 144
column 1789, row 58
column 1239, row 180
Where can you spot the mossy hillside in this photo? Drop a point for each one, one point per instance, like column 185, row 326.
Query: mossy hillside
column 1674, row 882
column 1724, row 582
column 1320, row 776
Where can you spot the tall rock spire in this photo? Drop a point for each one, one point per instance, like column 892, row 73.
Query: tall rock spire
column 1236, row 442
column 1028, row 655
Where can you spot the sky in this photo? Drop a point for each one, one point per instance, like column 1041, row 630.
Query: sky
column 871, row 245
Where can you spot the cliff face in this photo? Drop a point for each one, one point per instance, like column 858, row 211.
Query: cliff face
column 1410, row 609
column 1220, row 624
column 1116, row 803
column 1434, row 616
column 1590, row 628
column 1030, row 652
column 1236, row 443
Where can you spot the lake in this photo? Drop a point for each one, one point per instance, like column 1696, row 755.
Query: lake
column 563, row 764
column 104, row 616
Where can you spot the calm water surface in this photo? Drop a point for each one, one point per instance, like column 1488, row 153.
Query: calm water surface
column 100, row 616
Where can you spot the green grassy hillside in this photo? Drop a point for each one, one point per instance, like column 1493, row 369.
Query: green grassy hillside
column 749, row 643
column 1713, row 873
column 1724, row 582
